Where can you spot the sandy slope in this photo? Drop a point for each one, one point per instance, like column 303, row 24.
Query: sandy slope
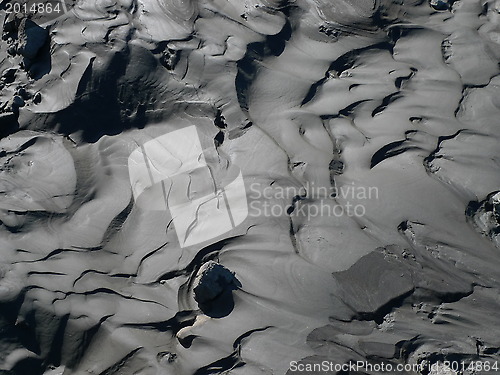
column 392, row 105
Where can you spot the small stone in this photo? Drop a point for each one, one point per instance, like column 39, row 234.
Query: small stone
column 9, row 75
column 11, row 24
column 165, row 358
column 169, row 58
column 495, row 199
column 8, row 123
column 440, row 4
column 23, row 93
column 32, row 38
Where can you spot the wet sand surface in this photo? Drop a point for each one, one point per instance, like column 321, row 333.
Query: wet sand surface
column 367, row 137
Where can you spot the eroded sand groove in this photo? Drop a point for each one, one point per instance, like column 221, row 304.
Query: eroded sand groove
column 309, row 97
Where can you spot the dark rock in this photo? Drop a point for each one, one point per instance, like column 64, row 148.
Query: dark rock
column 17, row 102
column 373, row 283
column 23, row 93
column 485, row 216
column 169, row 58
column 31, row 38
column 219, row 139
column 329, row 31
column 8, row 123
column 441, row 4
column 212, row 280
column 9, row 75
column 213, row 290
column 11, row 24
column 336, row 166
column 12, row 50
column 166, row 358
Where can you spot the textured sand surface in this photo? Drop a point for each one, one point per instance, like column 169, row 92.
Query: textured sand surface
column 392, row 107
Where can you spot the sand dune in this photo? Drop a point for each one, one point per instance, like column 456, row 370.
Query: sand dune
column 365, row 226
